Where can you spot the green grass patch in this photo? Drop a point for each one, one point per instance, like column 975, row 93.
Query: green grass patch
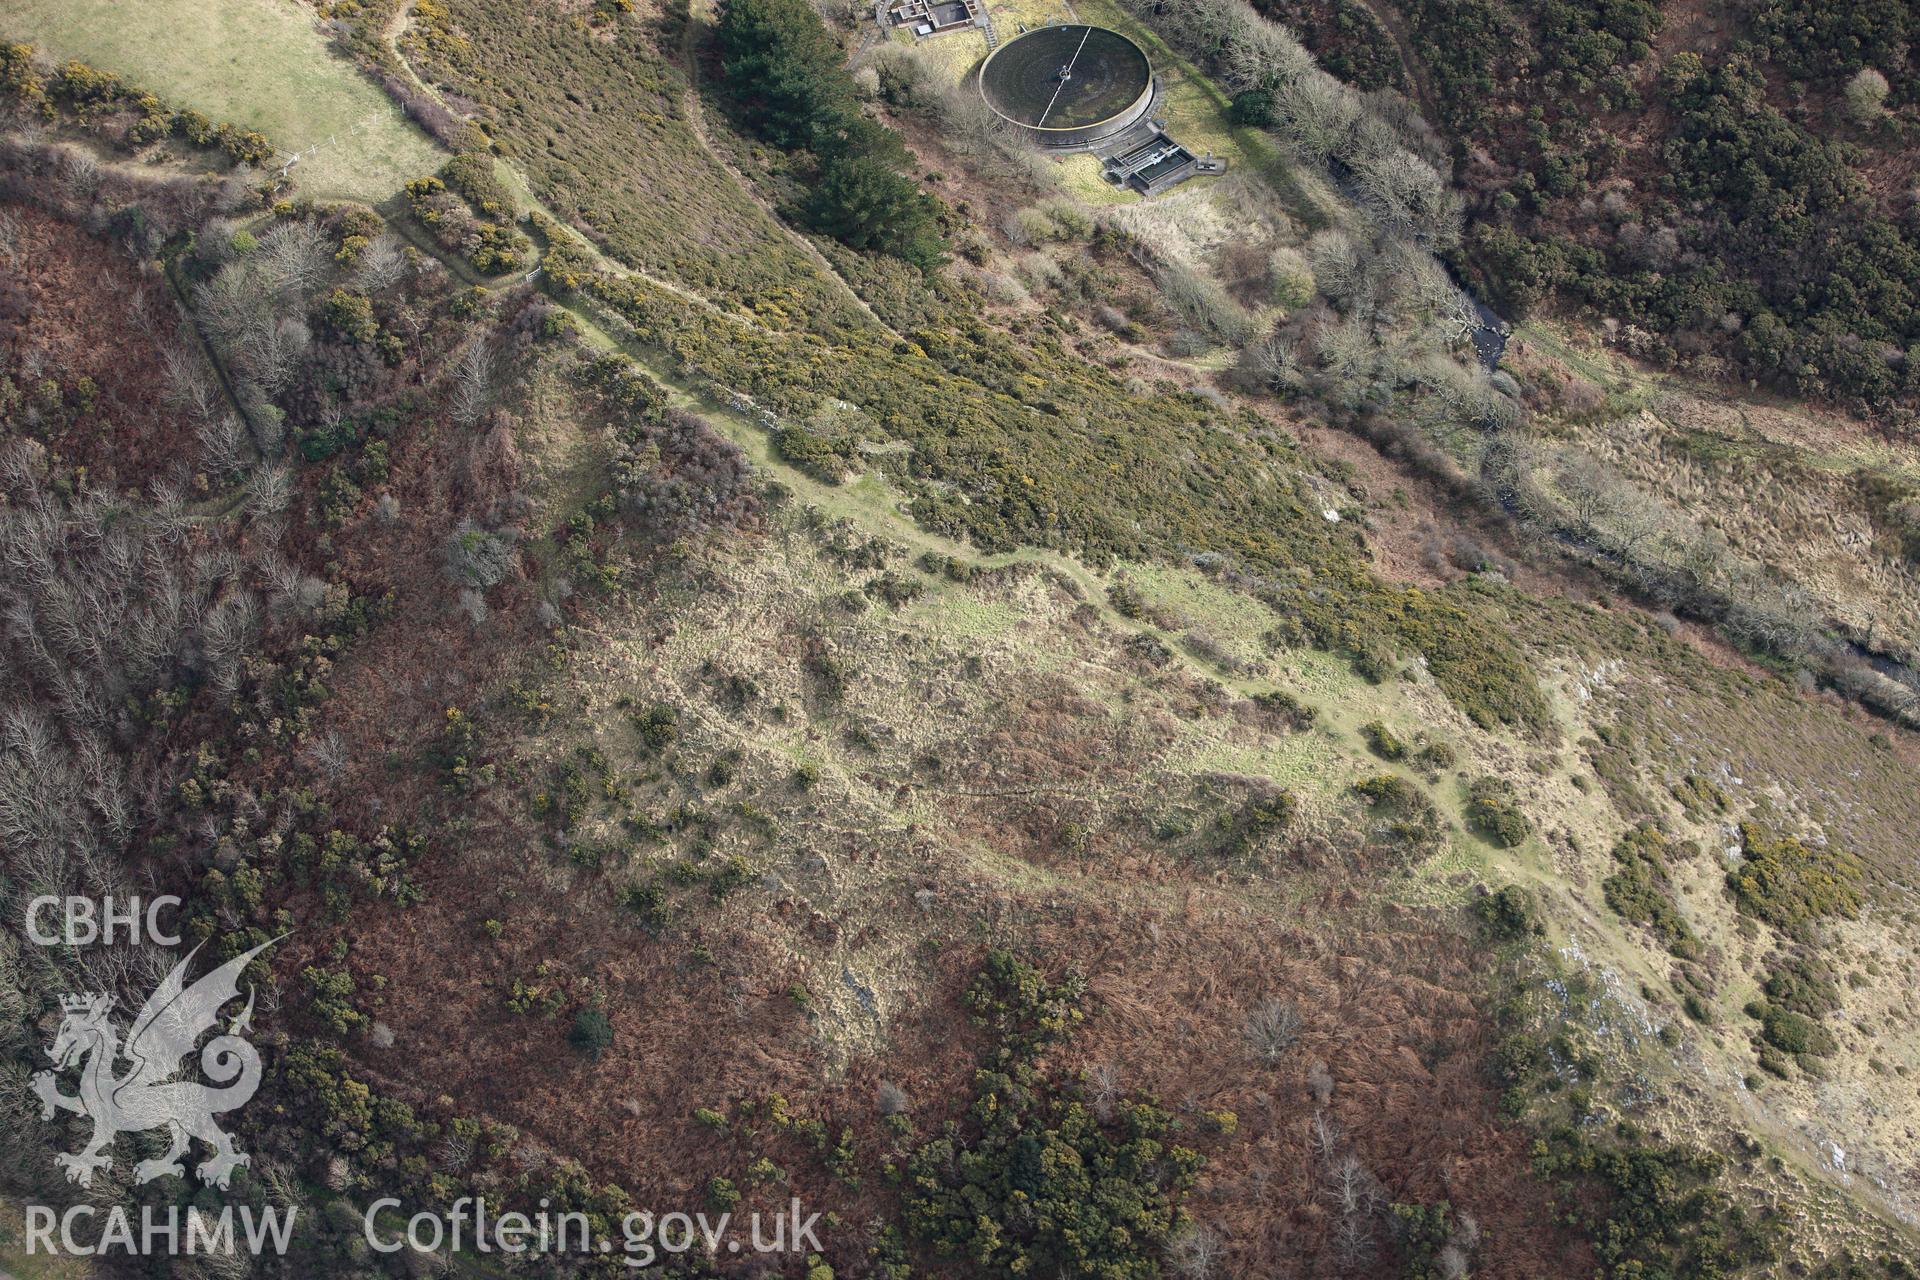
column 952, row 57
column 16, row 1262
column 261, row 64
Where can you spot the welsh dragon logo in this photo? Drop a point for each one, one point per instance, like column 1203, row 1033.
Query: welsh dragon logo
column 146, row 1095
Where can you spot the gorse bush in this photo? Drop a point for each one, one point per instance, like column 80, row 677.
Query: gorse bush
column 1285, row 707
column 471, row 173
column 1030, row 1182
column 1509, row 913
column 446, row 206
column 1790, row 884
column 825, row 455
column 1791, row 1032
column 1797, row 995
column 1382, row 741
column 1642, row 890
column 1803, row 983
column 1403, row 817
column 1665, row 1212
column 1267, row 813
column 1494, row 811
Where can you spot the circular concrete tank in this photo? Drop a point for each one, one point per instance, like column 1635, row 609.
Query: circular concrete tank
column 1069, row 86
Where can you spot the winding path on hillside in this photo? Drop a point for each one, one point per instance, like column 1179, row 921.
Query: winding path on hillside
column 603, row 328
column 391, row 34
column 699, row 11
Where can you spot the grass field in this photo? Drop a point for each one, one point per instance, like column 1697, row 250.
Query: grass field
column 952, row 56
column 258, row 63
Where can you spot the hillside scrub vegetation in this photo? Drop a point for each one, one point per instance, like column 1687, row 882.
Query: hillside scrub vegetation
column 469, row 215
column 1056, row 464
column 1756, row 246
column 1034, row 1179
column 755, row 713
column 531, row 71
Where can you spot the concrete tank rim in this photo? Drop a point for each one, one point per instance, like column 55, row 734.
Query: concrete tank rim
column 1127, row 114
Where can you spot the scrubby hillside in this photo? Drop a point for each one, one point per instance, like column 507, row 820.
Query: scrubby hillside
column 762, row 641
column 1730, row 191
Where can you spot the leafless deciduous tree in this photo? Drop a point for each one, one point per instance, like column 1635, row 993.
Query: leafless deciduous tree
column 227, row 630
column 472, row 384
column 327, row 753
column 81, row 172
column 1273, row 363
column 1337, row 266
column 1197, row 1253
column 1324, row 1133
column 1103, row 1089
column 1408, row 196
column 1353, row 1236
column 1356, row 1196
column 99, row 599
column 293, row 591
column 269, row 490
column 293, row 256
column 276, row 354
column 381, row 265
column 410, row 322
column 223, row 444
column 1272, row 1029
column 188, row 384
column 140, row 315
